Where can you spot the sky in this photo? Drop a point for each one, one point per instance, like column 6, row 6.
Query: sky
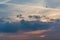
column 30, row 19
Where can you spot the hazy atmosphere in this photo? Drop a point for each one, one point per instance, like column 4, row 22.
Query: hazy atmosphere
column 29, row 19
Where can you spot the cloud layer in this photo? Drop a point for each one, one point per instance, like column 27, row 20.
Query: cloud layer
column 30, row 19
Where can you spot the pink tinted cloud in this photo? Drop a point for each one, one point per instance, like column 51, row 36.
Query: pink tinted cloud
column 36, row 32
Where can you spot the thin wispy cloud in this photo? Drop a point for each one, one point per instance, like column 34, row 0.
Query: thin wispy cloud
column 4, row 1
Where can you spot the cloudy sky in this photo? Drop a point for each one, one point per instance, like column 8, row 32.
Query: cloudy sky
column 15, row 7
column 30, row 19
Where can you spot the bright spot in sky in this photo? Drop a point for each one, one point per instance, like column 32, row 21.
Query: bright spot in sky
column 42, row 36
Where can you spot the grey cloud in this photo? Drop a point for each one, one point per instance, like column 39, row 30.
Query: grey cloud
column 22, row 25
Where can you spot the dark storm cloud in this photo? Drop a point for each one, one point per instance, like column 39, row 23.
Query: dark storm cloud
column 22, row 25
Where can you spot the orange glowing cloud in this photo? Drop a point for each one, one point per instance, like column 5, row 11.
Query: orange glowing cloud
column 43, row 36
